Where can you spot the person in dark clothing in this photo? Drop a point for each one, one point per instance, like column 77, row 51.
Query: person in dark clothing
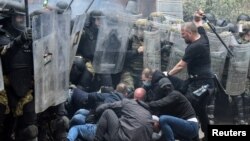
column 177, row 116
column 130, row 121
column 82, row 74
column 198, row 62
column 17, row 104
column 80, row 126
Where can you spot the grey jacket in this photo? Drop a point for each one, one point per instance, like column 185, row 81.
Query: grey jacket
column 135, row 119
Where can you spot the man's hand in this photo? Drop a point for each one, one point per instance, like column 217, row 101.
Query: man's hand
column 27, row 35
column 198, row 15
column 140, row 49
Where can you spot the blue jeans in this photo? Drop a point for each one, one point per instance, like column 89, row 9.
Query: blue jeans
column 79, row 117
column 79, row 128
column 176, row 127
column 86, row 132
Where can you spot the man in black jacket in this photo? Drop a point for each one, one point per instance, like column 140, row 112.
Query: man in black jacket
column 177, row 116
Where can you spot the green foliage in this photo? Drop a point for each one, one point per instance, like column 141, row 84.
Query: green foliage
column 227, row 9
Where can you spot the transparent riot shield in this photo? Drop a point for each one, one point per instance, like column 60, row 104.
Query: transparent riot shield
column 51, row 42
column 177, row 52
column 35, row 5
column 238, row 70
column 76, row 33
column 1, row 77
column 218, row 52
column 10, row 4
column 111, row 44
column 171, row 8
column 164, row 30
column 152, row 50
column 77, row 7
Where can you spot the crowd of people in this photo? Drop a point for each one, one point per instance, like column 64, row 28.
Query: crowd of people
column 136, row 104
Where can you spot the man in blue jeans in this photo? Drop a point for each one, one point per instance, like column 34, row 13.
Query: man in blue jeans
column 79, row 127
column 177, row 116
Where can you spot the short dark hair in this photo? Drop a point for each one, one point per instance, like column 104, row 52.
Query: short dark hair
column 122, row 88
column 190, row 26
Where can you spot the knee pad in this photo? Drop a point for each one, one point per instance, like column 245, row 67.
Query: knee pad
column 29, row 133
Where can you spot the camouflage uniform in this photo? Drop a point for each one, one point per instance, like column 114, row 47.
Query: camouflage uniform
column 131, row 75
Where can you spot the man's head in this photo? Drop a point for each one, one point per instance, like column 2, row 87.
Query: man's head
column 146, row 76
column 140, row 26
column 18, row 20
column 122, row 88
column 139, row 94
column 95, row 18
column 189, row 32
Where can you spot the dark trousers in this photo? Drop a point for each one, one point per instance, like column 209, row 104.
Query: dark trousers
column 107, row 126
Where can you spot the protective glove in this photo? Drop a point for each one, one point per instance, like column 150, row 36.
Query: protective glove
column 27, row 35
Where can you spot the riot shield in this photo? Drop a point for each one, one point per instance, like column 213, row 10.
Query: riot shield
column 171, row 8
column 77, row 7
column 177, row 52
column 164, row 30
column 238, row 70
column 152, row 50
column 35, row 5
column 51, row 42
column 16, row 4
column 218, row 52
column 1, row 77
column 111, row 44
column 76, row 33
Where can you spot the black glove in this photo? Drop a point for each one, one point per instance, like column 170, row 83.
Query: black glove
column 27, row 35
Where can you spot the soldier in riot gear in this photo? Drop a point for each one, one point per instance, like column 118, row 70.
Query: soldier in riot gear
column 53, row 122
column 85, row 53
column 17, row 60
column 134, row 58
column 157, row 17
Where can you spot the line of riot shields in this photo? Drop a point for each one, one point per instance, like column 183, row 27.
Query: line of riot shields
column 56, row 37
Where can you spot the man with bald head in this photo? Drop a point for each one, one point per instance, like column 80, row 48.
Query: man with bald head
column 198, row 63
column 125, row 120
column 139, row 94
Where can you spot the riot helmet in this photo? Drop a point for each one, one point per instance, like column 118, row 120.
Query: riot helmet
column 232, row 27
column 222, row 22
column 157, row 17
column 61, row 6
column 18, row 20
column 94, row 18
column 211, row 18
column 140, row 26
column 243, row 17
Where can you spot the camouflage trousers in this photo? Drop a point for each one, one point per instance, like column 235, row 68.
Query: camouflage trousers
column 132, row 79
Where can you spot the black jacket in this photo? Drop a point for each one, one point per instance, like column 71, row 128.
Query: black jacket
column 174, row 104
